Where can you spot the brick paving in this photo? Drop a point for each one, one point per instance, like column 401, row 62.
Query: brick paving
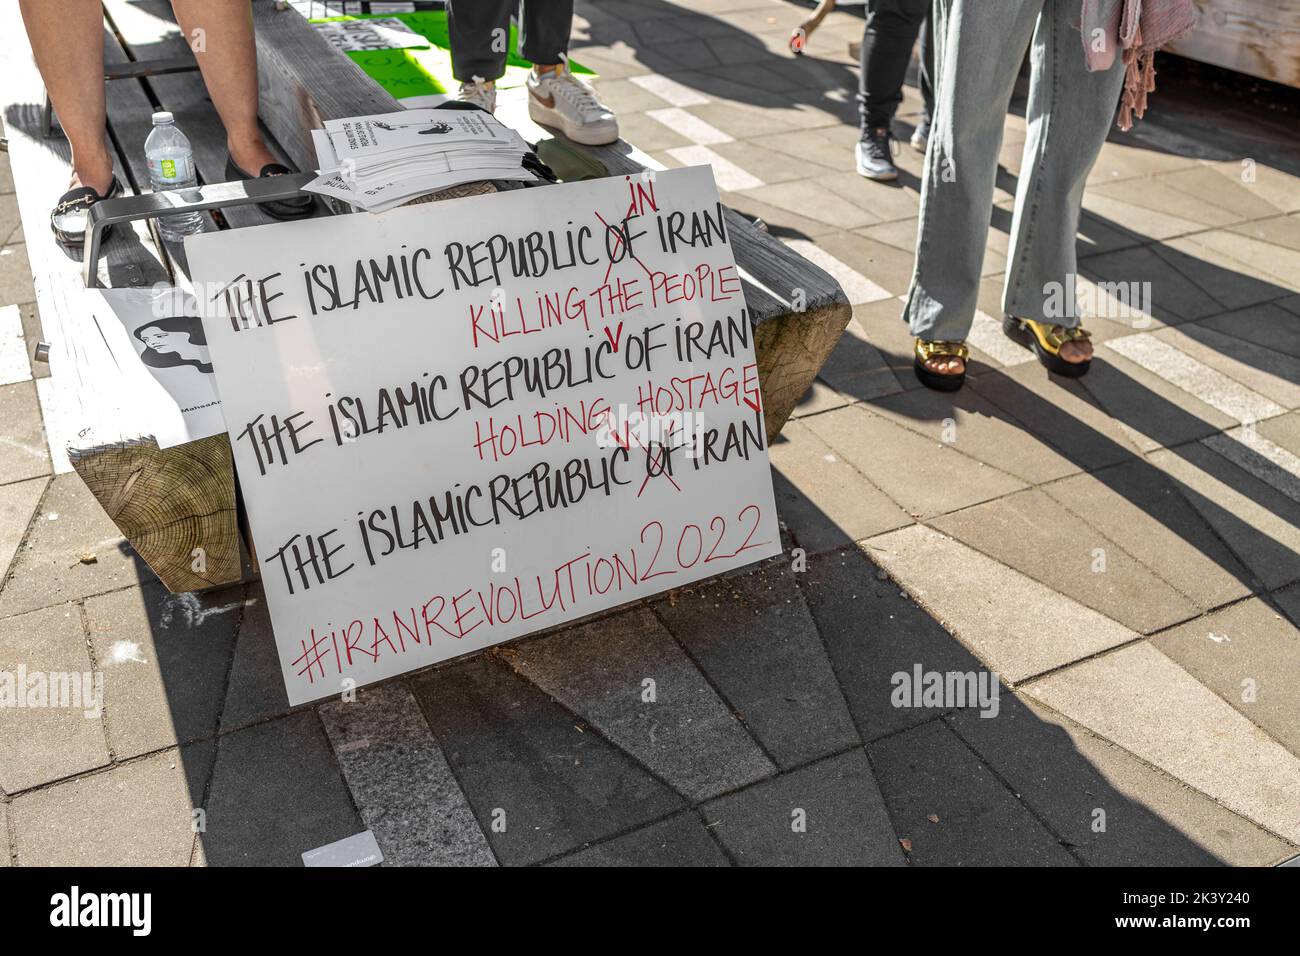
column 1118, row 555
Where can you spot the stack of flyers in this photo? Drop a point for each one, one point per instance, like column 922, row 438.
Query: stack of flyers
column 381, row 161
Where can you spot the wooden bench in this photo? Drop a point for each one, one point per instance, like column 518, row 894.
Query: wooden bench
column 170, row 503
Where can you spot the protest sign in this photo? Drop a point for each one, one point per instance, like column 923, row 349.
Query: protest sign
column 459, row 422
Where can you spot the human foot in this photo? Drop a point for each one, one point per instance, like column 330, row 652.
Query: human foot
column 1065, row 351
column 940, row 365
column 479, row 92
column 250, row 154
column 558, row 99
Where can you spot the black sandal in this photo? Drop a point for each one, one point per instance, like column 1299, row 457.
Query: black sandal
column 300, row 207
column 939, row 381
column 1045, row 341
column 69, row 216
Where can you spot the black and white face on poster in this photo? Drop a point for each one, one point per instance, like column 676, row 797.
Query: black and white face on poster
column 459, row 422
column 161, row 354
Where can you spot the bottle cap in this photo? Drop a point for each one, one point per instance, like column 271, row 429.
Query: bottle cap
column 162, row 118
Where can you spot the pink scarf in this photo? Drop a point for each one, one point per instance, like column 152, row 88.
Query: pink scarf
column 1137, row 28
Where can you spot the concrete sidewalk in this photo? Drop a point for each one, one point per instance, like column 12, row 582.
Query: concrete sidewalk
column 1117, row 555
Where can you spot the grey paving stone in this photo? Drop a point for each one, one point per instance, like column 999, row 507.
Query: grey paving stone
column 769, row 165
column 829, row 813
column 1208, row 192
column 781, row 222
column 1066, row 775
column 139, row 813
column 1237, row 270
column 686, row 735
column 812, row 200
column 1144, row 702
column 1059, row 412
column 681, row 840
column 256, row 686
column 400, row 780
column 876, row 637
column 883, row 263
column 884, row 328
column 48, row 570
column 857, row 368
column 1278, row 187
column 165, row 659
column 1175, row 297
column 1283, row 430
column 552, row 783
column 15, row 274
column 10, row 221
column 1267, row 326
column 1281, row 231
column 1291, row 304
column 624, row 96
column 1289, row 600
column 925, row 476
column 1249, row 655
column 822, row 499
column 1123, row 161
column 18, row 503
column 971, row 425
column 1271, row 373
column 755, row 640
column 1031, row 532
column 25, row 455
column 650, row 133
column 1132, row 205
column 1098, row 235
column 5, row 853
column 43, row 743
column 1152, row 412
column 1268, row 462
column 820, row 397
column 1016, row 625
column 276, row 793
column 951, row 809
column 1260, row 524
column 692, row 54
column 1144, row 511
column 1180, row 369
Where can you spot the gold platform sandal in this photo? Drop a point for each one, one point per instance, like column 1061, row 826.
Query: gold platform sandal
column 940, row 381
column 1045, row 341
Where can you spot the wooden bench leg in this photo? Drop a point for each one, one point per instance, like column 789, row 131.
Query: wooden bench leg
column 176, row 506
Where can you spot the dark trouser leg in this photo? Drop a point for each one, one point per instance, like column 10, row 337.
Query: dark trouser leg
column 892, row 26
column 927, row 64
column 546, row 25
column 480, row 35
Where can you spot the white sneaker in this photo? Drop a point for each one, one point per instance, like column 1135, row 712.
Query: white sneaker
column 560, row 100
column 482, row 93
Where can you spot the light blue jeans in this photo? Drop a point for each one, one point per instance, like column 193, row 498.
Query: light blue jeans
column 979, row 45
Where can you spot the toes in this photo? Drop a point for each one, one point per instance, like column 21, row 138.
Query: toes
column 1076, row 351
column 946, row 366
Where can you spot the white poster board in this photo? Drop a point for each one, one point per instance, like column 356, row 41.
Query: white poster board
column 459, row 422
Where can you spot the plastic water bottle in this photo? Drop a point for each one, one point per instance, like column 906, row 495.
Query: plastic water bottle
column 171, row 166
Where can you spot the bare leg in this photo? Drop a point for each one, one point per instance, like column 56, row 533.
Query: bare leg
column 220, row 32
column 67, row 38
